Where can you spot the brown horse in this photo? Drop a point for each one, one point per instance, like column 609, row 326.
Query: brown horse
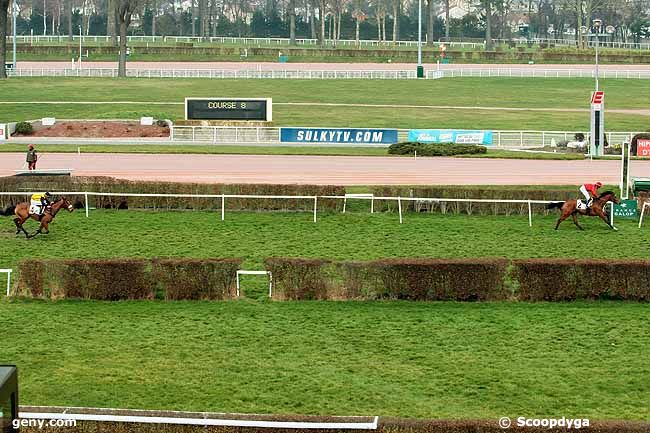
column 570, row 209
column 22, row 214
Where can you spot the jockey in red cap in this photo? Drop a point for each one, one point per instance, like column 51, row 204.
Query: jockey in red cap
column 590, row 190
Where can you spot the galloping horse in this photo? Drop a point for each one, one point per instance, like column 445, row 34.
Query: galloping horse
column 22, row 215
column 570, row 208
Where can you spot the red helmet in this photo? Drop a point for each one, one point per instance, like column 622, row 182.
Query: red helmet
column 599, row 184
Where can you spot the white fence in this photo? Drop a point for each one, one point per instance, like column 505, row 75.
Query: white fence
column 515, row 72
column 645, row 205
column 8, row 272
column 501, row 139
column 145, row 418
column 224, row 74
column 261, row 42
column 372, row 198
column 294, row 74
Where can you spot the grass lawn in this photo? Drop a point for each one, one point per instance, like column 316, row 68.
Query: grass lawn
column 425, row 360
column 452, row 92
column 357, row 235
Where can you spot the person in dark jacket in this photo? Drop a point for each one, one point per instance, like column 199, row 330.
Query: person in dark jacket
column 32, row 157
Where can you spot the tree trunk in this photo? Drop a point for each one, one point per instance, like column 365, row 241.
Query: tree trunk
column 378, row 28
column 4, row 6
column 321, row 16
column 488, row 25
column 447, row 19
column 121, row 70
column 383, row 27
column 154, row 12
column 432, row 16
column 395, row 19
column 356, row 33
column 292, row 22
column 68, row 16
column 112, row 21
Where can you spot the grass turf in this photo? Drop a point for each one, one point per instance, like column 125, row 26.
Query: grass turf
column 352, row 236
column 426, row 360
column 452, row 92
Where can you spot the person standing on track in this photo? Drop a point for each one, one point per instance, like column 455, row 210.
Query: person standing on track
column 590, row 190
column 32, row 157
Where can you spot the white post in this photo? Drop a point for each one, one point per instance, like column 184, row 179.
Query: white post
column 611, row 213
column 8, row 281
column 238, row 284
column 530, row 215
column 642, row 212
column 223, row 207
column 372, row 204
column 270, row 284
column 345, row 201
column 315, row 206
column 86, row 204
column 399, row 206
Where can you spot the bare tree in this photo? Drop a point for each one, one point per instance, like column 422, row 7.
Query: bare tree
column 123, row 12
column 397, row 11
column 292, row 22
column 4, row 11
column 432, row 17
column 486, row 6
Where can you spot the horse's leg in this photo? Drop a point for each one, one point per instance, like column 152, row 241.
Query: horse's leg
column 564, row 216
column 603, row 217
column 575, row 220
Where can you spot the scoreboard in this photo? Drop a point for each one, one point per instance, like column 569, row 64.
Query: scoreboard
column 257, row 109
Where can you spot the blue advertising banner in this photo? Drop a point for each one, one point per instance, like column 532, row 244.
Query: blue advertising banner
column 450, row 136
column 338, row 135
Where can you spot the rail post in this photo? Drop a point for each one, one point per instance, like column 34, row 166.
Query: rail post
column 399, row 206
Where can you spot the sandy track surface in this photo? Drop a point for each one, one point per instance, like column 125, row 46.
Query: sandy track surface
column 268, row 66
column 329, row 169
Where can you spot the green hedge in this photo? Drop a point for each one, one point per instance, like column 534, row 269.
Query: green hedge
column 109, row 184
column 442, row 149
column 568, row 280
column 472, row 192
column 197, row 278
column 461, row 279
column 409, row 279
column 127, row 279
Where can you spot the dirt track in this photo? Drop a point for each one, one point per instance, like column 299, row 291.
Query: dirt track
column 330, row 170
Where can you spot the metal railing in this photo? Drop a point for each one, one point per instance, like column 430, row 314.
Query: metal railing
column 263, row 135
column 432, row 74
column 515, row 72
column 223, row 74
column 261, row 42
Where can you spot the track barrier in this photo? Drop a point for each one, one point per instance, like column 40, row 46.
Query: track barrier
column 344, row 198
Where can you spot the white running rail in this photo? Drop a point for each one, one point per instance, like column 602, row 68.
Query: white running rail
column 8, row 272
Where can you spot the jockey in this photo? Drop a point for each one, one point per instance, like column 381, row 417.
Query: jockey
column 40, row 202
column 590, row 190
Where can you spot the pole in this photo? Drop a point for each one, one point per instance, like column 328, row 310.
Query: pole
column 597, row 43
column 86, row 203
column 80, row 37
column 530, row 215
column 419, row 32
column 44, row 19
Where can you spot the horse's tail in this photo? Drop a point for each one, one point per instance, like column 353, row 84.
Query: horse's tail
column 8, row 212
column 555, row 204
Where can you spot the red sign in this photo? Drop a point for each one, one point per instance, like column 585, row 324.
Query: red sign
column 642, row 147
column 597, row 97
